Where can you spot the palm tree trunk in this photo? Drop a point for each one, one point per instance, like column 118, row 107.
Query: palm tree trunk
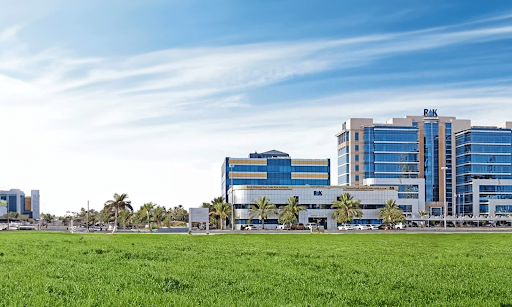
column 115, row 222
column 262, row 224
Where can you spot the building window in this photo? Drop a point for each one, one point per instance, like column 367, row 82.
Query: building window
column 357, row 136
column 357, row 167
column 357, row 147
column 357, row 178
column 357, row 157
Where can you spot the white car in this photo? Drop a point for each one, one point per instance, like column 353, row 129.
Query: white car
column 361, row 227
column 345, row 227
column 310, row 226
column 400, row 226
column 283, row 227
column 372, row 227
column 251, row 227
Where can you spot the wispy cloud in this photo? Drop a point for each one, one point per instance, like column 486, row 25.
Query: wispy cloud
column 89, row 115
column 9, row 33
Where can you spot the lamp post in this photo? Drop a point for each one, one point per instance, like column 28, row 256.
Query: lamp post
column 444, row 168
column 231, row 166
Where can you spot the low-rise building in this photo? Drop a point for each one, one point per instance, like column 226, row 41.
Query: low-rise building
column 318, row 201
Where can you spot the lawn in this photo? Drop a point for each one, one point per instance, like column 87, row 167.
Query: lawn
column 55, row 269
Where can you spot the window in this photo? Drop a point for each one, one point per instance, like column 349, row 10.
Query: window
column 357, row 178
column 357, row 167
column 357, row 157
column 357, row 147
column 357, row 136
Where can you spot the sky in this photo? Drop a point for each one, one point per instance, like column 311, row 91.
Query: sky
column 148, row 97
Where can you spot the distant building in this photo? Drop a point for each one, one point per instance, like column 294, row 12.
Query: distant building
column 14, row 200
column 273, row 168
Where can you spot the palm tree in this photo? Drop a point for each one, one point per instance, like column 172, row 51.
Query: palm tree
column 159, row 214
column 262, row 208
column 346, row 208
column 422, row 213
column 214, row 219
column 120, row 202
column 291, row 211
column 391, row 213
column 124, row 217
column 222, row 210
column 147, row 208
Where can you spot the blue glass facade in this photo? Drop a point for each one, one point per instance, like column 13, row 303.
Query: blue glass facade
column 431, row 161
column 391, row 152
column 482, row 153
column 278, row 171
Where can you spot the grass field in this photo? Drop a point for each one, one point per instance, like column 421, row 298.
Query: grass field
column 55, row 269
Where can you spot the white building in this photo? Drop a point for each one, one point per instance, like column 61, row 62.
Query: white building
column 318, row 200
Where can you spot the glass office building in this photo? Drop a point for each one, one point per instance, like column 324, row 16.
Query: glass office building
column 483, row 153
column 433, row 158
column 14, row 200
column 273, row 168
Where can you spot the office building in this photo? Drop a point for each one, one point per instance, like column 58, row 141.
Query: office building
column 14, row 200
column 273, row 168
column 318, row 201
column 432, row 158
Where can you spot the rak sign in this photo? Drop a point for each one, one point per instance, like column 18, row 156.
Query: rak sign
column 429, row 112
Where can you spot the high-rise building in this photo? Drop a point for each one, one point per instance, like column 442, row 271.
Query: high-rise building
column 432, row 158
column 273, row 168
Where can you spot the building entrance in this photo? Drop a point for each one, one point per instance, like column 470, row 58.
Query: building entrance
column 321, row 221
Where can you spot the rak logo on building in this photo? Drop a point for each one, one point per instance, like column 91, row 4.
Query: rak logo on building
column 317, row 193
column 429, row 112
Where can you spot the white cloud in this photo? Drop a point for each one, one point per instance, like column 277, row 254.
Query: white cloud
column 158, row 125
column 9, row 33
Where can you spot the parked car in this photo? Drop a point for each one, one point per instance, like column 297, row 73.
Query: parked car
column 345, row 227
column 400, row 226
column 251, row 227
column 283, row 227
column 298, row 226
column 361, row 227
column 311, row 226
column 94, row 228
column 372, row 227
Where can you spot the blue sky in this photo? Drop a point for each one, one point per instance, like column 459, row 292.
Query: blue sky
column 148, row 97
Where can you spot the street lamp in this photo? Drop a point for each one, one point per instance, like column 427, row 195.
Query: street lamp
column 444, row 168
column 231, row 166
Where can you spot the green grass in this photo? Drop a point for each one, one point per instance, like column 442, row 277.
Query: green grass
column 55, row 269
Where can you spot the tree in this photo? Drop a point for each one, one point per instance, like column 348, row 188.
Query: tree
column 180, row 213
column 287, row 218
column 159, row 214
column 65, row 218
column 120, row 202
column 13, row 215
column 147, row 210
column 222, row 210
column 391, row 213
column 214, row 220
column 124, row 217
column 47, row 217
column 104, row 216
column 291, row 211
column 422, row 213
column 261, row 208
column 346, row 208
